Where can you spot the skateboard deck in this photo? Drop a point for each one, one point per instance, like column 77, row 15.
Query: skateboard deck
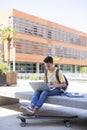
column 24, row 117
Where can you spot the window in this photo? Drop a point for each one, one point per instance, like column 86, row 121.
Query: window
column 49, row 34
column 35, row 30
column 41, row 68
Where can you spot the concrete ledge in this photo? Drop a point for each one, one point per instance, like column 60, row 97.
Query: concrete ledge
column 7, row 100
column 10, row 94
column 57, row 100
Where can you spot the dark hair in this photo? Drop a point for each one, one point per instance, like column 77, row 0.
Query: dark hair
column 48, row 59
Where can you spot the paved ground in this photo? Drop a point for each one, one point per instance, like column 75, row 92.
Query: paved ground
column 9, row 121
column 9, row 113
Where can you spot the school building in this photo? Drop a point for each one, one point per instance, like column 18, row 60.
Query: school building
column 38, row 38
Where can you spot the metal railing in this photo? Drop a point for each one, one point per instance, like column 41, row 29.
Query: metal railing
column 36, row 76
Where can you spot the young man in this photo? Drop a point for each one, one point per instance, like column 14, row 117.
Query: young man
column 40, row 97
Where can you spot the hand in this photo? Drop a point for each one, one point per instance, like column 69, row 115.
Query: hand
column 50, row 85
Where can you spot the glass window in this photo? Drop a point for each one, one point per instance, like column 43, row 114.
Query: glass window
column 41, row 68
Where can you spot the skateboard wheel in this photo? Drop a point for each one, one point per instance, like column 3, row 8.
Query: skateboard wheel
column 67, row 123
column 23, row 122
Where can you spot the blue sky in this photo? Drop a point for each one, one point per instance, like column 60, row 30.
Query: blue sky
column 71, row 13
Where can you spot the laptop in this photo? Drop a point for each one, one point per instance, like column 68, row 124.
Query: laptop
column 39, row 85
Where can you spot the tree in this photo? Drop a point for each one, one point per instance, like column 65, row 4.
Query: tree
column 3, row 66
column 7, row 36
column 83, row 69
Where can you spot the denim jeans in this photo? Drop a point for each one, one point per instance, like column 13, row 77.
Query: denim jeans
column 40, row 97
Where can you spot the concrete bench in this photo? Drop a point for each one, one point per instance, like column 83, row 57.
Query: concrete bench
column 58, row 100
column 14, row 94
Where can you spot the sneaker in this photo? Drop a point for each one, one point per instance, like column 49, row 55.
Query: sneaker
column 27, row 110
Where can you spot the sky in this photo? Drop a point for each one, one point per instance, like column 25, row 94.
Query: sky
column 70, row 13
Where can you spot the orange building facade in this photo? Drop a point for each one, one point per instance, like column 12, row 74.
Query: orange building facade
column 38, row 38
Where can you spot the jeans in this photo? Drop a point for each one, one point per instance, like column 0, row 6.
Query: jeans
column 40, row 97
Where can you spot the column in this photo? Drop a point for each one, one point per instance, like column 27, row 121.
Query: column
column 37, row 65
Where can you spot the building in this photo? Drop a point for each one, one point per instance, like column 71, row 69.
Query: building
column 37, row 38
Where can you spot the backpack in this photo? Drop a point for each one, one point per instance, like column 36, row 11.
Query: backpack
column 57, row 77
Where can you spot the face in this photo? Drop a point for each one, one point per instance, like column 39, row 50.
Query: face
column 49, row 66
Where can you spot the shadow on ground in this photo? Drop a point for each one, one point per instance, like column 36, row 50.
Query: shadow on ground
column 9, row 120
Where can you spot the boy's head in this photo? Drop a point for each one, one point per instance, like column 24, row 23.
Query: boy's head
column 48, row 61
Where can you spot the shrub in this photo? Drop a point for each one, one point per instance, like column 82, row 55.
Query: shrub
column 3, row 66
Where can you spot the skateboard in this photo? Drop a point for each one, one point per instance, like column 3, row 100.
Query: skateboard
column 24, row 117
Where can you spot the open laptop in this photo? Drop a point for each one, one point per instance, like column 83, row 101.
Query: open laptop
column 39, row 85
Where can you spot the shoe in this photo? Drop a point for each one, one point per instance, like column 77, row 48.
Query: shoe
column 35, row 110
column 27, row 110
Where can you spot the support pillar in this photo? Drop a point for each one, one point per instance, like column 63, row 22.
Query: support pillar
column 38, row 69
